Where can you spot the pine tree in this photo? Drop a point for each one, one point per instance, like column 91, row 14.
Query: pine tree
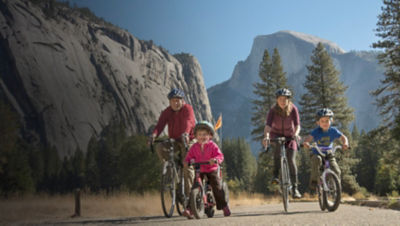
column 355, row 134
column 388, row 95
column 325, row 90
column 272, row 78
column 278, row 75
column 240, row 163
column 265, row 91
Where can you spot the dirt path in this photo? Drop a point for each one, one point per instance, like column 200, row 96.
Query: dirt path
column 300, row 213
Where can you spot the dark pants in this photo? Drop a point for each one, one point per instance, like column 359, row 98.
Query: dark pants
column 291, row 157
column 316, row 162
column 162, row 150
column 216, row 184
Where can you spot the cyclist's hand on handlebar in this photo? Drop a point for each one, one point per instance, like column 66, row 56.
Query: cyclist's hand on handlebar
column 266, row 141
column 151, row 139
column 306, row 144
column 185, row 139
column 213, row 161
column 345, row 146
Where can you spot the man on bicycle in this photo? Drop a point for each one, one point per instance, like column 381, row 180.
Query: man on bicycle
column 179, row 117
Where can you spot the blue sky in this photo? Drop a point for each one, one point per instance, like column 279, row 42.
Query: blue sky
column 219, row 33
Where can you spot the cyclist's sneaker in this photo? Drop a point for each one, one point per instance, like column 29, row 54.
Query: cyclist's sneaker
column 275, row 180
column 187, row 213
column 296, row 193
column 227, row 211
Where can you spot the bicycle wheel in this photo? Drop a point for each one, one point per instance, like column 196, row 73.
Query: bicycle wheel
column 168, row 195
column 197, row 202
column 285, row 183
column 211, row 200
column 181, row 200
column 321, row 196
column 333, row 194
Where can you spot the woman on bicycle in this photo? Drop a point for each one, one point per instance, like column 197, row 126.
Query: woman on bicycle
column 205, row 150
column 283, row 121
column 324, row 135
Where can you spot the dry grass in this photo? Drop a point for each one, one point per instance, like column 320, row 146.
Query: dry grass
column 60, row 207
column 45, row 207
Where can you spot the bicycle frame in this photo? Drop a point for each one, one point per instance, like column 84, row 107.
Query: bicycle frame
column 335, row 193
column 202, row 183
column 203, row 188
column 285, row 182
column 325, row 162
column 177, row 193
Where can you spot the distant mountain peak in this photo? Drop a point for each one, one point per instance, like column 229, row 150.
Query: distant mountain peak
column 307, row 38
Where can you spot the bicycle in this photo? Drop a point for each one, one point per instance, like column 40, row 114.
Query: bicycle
column 284, row 180
column 328, row 188
column 201, row 198
column 172, row 182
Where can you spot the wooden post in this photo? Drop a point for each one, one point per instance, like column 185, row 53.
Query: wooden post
column 77, row 203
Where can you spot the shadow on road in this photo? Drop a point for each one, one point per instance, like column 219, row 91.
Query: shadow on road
column 130, row 220
column 264, row 213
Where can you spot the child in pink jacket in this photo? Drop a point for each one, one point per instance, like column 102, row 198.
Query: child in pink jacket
column 205, row 150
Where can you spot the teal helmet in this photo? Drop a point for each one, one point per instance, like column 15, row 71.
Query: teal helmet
column 204, row 125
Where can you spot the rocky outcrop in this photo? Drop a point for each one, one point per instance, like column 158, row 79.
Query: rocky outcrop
column 360, row 71
column 69, row 77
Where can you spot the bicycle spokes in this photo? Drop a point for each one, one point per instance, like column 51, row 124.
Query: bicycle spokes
column 332, row 192
column 168, row 194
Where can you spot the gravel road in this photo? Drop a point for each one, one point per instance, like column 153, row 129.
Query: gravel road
column 300, row 213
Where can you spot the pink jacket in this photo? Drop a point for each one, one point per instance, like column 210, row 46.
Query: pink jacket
column 211, row 150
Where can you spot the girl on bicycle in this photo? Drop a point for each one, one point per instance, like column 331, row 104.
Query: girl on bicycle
column 324, row 135
column 205, row 150
column 283, row 121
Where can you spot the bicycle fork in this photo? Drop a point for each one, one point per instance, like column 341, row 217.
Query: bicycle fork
column 284, row 159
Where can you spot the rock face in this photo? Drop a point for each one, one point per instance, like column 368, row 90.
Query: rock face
column 68, row 77
column 359, row 71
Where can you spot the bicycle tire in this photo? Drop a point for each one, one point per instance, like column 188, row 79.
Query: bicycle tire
column 197, row 202
column 321, row 198
column 181, row 200
column 210, row 209
column 180, row 206
column 333, row 195
column 285, row 183
column 168, row 192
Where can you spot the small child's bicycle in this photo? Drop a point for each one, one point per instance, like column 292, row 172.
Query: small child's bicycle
column 328, row 188
column 201, row 198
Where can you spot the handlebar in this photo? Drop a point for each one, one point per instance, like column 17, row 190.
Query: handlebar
column 170, row 141
column 333, row 150
column 201, row 163
column 280, row 140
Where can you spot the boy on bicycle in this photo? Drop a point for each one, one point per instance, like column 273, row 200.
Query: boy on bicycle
column 324, row 135
column 179, row 117
column 205, row 150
